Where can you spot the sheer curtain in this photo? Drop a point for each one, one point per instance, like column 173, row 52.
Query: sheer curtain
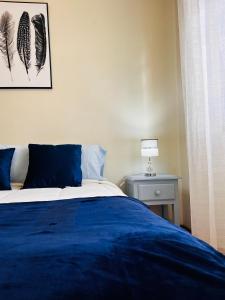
column 202, row 45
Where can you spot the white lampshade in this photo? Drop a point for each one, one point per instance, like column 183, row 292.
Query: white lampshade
column 149, row 147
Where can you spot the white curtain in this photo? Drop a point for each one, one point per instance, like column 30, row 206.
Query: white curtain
column 202, row 46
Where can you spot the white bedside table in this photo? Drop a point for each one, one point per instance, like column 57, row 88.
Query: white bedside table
column 155, row 190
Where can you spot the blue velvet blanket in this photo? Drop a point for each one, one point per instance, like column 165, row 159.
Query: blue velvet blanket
column 102, row 248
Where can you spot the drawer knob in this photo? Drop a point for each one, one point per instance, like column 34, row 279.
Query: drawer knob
column 157, row 192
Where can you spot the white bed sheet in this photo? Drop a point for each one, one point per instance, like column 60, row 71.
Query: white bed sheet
column 89, row 188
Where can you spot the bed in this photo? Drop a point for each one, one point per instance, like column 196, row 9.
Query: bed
column 69, row 234
column 94, row 242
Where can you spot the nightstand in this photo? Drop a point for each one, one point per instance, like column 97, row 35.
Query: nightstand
column 156, row 190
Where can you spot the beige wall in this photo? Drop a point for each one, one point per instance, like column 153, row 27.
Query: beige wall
column 115, row 75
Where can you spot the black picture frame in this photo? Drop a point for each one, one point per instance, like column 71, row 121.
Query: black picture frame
column 38, row 73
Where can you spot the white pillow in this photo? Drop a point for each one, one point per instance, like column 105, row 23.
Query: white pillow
column 92, row 162
column 20, row 162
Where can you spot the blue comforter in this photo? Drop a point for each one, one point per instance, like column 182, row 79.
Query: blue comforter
column 102, row 248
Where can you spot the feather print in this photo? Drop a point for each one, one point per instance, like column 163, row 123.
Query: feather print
column 40, row 40
column 6, row 38
column 23, row 40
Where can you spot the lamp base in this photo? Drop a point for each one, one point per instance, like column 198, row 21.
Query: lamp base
column 150, row 174
column 149, row 171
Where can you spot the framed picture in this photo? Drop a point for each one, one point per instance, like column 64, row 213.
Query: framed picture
column 25, row 60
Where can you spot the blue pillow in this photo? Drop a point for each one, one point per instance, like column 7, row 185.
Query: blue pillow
column 92, row 162
column 6, row 156
column 53, row 166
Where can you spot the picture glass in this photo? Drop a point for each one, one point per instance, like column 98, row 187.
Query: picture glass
column 24, row 45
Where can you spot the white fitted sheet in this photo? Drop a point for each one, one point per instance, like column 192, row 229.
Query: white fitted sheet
column 89, row 188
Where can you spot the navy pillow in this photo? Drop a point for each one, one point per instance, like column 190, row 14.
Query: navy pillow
column 6, row 156
column 53, row 166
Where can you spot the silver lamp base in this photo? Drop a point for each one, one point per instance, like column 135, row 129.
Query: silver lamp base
column 149, row 170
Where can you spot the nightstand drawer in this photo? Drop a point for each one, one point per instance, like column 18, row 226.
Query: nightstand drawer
column 156, row 191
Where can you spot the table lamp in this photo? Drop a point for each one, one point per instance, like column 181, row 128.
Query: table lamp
column 149, row 148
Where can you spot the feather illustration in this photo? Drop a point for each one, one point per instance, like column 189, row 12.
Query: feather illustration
column 23, row 40
column 6, row 38
column 40, row 40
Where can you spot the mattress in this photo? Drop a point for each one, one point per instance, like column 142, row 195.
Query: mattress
column 89, row 188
